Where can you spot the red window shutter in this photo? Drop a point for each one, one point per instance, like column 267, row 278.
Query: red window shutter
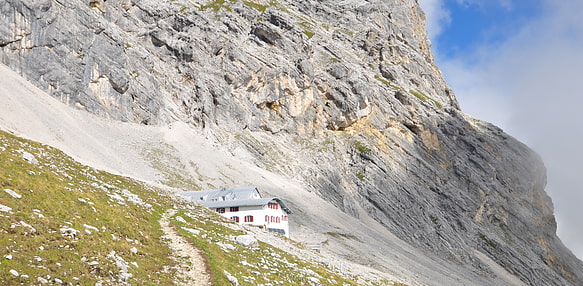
column 250, row 218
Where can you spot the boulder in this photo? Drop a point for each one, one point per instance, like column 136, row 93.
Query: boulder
column 247, row 241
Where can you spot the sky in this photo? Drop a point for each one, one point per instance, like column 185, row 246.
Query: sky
column 519, row 65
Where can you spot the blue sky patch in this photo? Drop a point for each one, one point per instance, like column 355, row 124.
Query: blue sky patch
column 474, row 24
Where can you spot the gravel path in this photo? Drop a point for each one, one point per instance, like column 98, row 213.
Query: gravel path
column 192, row 269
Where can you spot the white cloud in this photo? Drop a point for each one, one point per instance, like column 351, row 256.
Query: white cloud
column 530, row 86
column 546, row 65
column 437, row 16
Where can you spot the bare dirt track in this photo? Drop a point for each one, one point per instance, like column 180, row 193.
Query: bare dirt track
column 192, row 267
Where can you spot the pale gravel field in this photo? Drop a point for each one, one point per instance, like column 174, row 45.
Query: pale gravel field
column 122, row 148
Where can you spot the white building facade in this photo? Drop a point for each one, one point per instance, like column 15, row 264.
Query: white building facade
column 246, row 206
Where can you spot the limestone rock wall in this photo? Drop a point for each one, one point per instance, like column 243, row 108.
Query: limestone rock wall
column 342, row 95
column 304, row 66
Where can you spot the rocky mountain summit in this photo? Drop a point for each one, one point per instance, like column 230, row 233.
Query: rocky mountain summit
column 342, row 96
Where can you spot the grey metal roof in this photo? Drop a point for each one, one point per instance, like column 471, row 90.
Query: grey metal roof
column 222, row 194
column 233, row 197
column 237, row 203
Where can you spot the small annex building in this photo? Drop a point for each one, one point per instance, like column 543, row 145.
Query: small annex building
column 245, row 206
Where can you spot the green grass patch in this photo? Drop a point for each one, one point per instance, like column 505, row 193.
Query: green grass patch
column 361, row 175
column 360, row 147
column 346, row 32
column 433, row 219
column 423, row 97
column 217, row 5
column 256, row 6
column 134, row 74
column 113, row 217
column 326, row 146
column 309, row 33
column 419, row 94
column 387, row 82
column 307, row 28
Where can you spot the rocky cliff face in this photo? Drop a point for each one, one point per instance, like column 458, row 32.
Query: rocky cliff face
column 343, row 96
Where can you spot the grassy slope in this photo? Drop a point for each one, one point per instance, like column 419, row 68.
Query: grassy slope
column 59, row 193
